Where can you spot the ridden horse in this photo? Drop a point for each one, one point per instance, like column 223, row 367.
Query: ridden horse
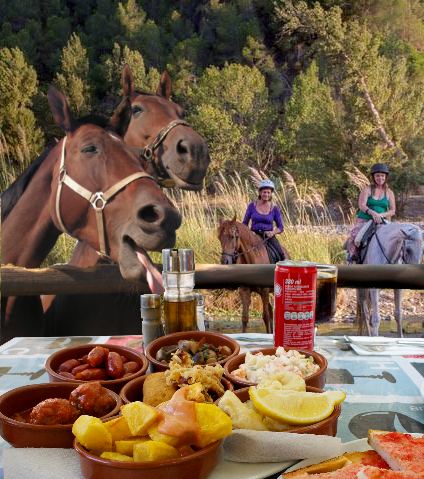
column 91, row 186
column 240, row 245
column 391, row 244
column 171, row 151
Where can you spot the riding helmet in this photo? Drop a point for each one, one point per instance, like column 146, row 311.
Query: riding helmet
column 266, row 184
column 379, row 168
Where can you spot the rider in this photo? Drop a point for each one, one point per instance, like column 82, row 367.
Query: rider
column 264, row 213
column 376, row 202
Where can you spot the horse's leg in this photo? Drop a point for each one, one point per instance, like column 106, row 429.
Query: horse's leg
column 398, row 311
column 362, row 311
column 245, row 296
column 375, row 315
column 264, row 292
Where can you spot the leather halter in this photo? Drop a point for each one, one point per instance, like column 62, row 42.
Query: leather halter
column 98, row 200
column 148, row 151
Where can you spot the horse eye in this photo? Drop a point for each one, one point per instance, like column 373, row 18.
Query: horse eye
column 136, row 110
column 89, row 149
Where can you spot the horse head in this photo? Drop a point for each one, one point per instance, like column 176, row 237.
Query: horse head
column 229, row 237
column 395, row 243
column 101, row 194
column 169, row 148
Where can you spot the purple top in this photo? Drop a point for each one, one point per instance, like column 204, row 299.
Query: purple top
column 261, row 222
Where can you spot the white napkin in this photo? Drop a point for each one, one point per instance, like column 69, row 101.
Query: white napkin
column 245, row 445
column 40, row 463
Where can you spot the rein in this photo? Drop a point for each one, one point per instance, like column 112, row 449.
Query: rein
column 381, row 248
column 98, row 200
column 235, row 255
column 147, row 153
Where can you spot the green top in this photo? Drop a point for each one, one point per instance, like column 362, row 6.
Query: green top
column 379, row 206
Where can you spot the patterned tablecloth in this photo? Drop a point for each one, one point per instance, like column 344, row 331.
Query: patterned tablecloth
column 383, row 392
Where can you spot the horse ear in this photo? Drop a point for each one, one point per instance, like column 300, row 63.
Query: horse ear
column 121, row 117
column 164, row 87
column 60, row 108
column 127, row 81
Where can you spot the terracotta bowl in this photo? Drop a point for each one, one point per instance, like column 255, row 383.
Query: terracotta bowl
column 56, row 359
column 133, row 391
column 20, row 434
column 215, row 339
column 326, row 427
column 316, row 380
column 194, row 466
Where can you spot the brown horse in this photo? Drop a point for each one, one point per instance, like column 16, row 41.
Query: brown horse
column 92, row 186
column 240, row 245
column 171, row 151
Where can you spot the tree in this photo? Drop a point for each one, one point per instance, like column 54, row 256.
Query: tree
column 312, row 135
column 18, row 85
column 237, row 97
column 72, row 78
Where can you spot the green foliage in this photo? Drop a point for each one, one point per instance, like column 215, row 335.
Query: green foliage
column 230, row 107
column 312, row 133
column 18, row 85
column 72, row 78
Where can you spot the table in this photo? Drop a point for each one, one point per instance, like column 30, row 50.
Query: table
column 383, row 392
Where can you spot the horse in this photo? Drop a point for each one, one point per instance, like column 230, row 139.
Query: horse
column 169, row 150
column 240, row 245
column 391, row 244
column 91, row 186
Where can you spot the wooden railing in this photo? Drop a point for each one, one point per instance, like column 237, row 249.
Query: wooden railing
column 65, row 279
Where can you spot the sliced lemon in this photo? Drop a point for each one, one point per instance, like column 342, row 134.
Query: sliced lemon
column 294, row 407
column 337, row 396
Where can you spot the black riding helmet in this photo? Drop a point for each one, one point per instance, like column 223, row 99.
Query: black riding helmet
column 380, row 168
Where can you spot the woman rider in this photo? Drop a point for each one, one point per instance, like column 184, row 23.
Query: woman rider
column 264, row 213
column 376, row 202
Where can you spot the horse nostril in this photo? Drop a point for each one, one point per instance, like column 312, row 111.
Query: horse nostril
column 150, row 214
column 183, row 147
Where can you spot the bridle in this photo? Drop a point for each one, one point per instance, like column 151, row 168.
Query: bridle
column 235, row 254
column 98, row 200
column 147, row 152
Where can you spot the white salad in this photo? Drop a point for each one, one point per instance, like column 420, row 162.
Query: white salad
column 258, row 366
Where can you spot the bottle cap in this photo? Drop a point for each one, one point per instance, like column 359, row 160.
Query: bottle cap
column 150, row 301
column 178, row 260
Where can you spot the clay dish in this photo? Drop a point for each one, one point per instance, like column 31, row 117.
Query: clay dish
column 133, row 391
column 316, row 380
column 56, row 359
column 21, row 434
column 216, row 339
column 194, row 466
column 326, row 427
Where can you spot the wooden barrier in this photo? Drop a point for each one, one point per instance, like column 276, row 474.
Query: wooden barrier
column 66, row 279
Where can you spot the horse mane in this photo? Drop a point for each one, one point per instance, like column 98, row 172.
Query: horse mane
column 11, row 195
column 244, row 231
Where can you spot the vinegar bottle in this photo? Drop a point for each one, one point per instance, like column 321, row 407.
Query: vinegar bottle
column 179, row 305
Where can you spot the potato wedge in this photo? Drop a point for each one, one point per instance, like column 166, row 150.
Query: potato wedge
column 154, row 451
column 92, row 433
column 126, row 446
column 115, row 456
column 118, row 428
column 214, row 423
column 139, row 417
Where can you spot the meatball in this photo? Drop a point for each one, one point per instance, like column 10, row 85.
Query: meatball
column 92, row 399
column 53, row 411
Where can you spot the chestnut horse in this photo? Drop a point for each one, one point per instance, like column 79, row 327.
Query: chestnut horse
column 240, row 245
column 92, row 186
column 171, row 151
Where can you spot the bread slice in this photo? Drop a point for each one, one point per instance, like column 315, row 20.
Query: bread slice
column 366, row 458
column 402, row 452
column 375, row 473
column 347, row 472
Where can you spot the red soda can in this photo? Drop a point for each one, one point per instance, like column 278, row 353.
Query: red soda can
column 295, row 284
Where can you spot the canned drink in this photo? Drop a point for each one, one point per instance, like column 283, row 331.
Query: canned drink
column 295, row 284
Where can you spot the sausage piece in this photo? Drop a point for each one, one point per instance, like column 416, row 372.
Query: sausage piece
column 68, row 366
column 97, row 356
column 92, row 399
column 114, row 366
column 91, row 374
column 53, row 411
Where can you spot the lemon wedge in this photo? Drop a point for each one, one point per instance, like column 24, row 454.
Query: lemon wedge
column 295, row 407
